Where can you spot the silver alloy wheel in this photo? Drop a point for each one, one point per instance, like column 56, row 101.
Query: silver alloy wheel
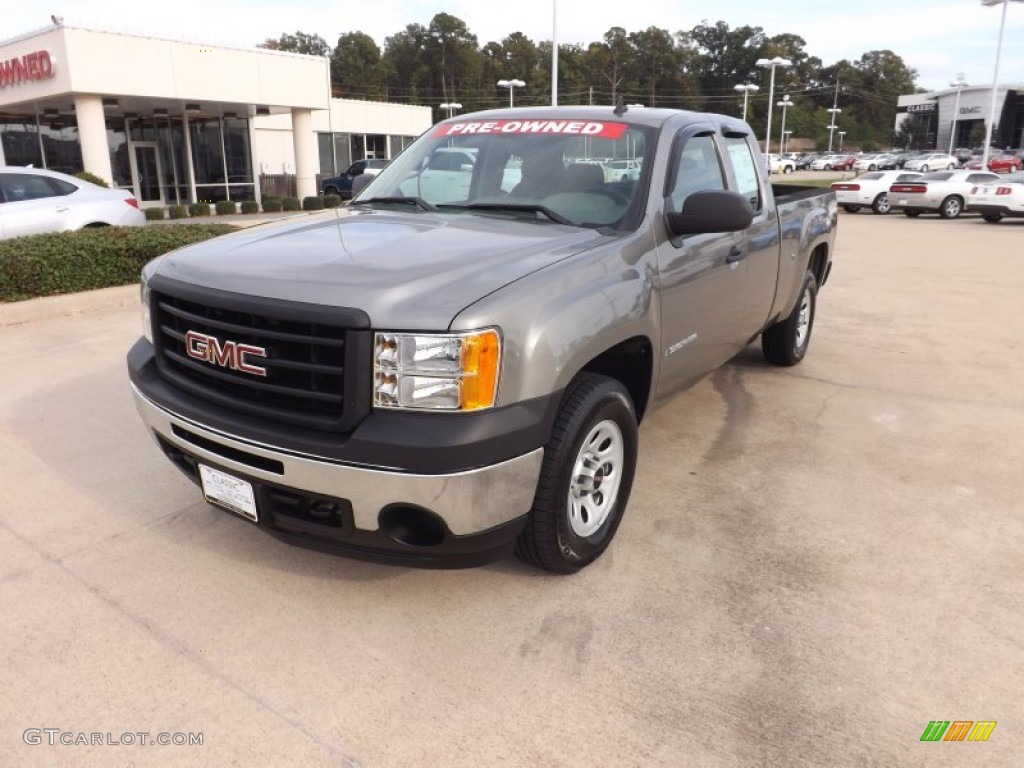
column 882, row 204
column 924, row 169
column 952, row 207
column 596, row 476
column 803, row 320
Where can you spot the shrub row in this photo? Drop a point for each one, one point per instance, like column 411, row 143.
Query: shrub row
column 228, row 207
column 65, row 262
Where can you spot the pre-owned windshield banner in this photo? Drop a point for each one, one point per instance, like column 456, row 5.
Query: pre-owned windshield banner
column 520, row 127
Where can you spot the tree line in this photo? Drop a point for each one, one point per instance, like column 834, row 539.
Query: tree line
column 696, row 69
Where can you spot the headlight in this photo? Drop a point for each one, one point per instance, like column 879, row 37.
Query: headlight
column 147, row 323
column 436, row 372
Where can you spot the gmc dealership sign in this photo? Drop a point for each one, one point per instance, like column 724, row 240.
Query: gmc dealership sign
column 31, row 66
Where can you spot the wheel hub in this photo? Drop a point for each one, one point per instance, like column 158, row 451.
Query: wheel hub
column 595, row 478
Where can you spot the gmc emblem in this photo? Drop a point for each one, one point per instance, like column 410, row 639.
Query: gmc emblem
column 229, row 354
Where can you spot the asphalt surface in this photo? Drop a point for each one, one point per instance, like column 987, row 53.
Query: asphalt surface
column 816, row 562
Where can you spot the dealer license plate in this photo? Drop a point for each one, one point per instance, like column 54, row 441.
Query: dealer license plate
column 901, row 201
column 228, row 492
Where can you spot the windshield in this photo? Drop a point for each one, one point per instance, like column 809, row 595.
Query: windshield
column 576, row 170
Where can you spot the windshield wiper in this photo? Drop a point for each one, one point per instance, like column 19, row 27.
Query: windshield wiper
column 419, row 202
column 520, row 207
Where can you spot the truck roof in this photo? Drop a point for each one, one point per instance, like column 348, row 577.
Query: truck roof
column 654, row 117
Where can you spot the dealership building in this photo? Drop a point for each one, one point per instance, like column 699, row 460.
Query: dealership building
column 932, row 118
column 177, row 121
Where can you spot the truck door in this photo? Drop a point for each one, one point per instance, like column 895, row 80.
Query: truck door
column 761, row 265
column 701, row 282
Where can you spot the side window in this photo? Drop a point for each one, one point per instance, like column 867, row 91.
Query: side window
column 698, row 170
column 747, row 177
column 356, row 168
column 22, row 186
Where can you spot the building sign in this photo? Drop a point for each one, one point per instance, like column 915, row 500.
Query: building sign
column 970, row 110
column 505, row 127
column 31, row 66
column 928, row 106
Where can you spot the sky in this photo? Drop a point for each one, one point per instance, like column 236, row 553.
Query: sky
column 938, row 38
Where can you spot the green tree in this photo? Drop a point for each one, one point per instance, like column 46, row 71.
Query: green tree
column 356, row 67
column 300, row 42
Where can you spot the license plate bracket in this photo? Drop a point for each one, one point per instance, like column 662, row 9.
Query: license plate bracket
column 230, row 492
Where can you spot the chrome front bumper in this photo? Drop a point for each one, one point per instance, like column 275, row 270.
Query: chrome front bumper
column 469, row 502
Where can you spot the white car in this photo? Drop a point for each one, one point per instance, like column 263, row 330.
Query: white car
column 935, row 161
column 622, row 170
column 998, row 199
column 942, row 192
column 870, row 190
column 824, row 163
column 781, row 164
column 35, row 200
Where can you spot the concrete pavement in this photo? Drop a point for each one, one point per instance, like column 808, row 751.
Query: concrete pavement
column 816, row 562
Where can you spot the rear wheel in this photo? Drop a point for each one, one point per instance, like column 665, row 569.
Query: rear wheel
column 786, row 342
column 872, row 167
column 586, row 477
column 924, row 169
column 992, row 218
column 951, row 166
column 851, row 208
column 951, row 207
column 787, row 169
column 912, row 214
column 881, row 205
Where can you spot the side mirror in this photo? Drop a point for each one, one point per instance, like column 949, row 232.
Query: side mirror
column 360, row 182
column 712, row 210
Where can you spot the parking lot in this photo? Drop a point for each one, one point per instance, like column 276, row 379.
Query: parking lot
column 816, row 562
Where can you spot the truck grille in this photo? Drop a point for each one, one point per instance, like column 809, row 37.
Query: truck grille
column 306, row 361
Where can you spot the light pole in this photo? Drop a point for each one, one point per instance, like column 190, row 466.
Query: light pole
column 554, row 53
column 451, row 107
column 746, row 89
column 959, row 83
column 995, row 77
column 834, row 111
column 841, row 134
column 771, row 64
column 511, row 85
column 785, row 140
column 785, row 104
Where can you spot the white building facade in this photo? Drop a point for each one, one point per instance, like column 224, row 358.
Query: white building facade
column 931, row 119
column 177, row 121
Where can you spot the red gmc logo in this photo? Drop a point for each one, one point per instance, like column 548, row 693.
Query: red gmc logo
column 229, row 354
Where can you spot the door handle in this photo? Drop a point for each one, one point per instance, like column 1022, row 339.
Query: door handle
column 62, row 209
column 735, row 254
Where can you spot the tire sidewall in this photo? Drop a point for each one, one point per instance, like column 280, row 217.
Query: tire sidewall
column 810, row 285
column 613, row 405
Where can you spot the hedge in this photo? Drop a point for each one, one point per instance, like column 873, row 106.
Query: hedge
column 332, row 201
column 178, row 212
column 198, row 209
column 312, row 203
column 154, row 214
column 291, row 203
column 65, row 262
column 272, row 204
column 250, row 206
column 225, row 207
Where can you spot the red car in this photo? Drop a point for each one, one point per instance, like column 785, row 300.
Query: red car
column 844, row 163
column 1005, row 162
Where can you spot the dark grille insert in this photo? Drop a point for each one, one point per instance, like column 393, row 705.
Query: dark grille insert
column 305, row 360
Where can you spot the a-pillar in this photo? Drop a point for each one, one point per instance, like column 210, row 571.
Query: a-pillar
column 92, row 135
column 305, row 152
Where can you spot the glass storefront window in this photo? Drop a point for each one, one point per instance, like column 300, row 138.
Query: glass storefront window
column 324, row 144
column 117, row 143
column 61, row 149
column 20, row 137
column 207, row 151
column 237, row 155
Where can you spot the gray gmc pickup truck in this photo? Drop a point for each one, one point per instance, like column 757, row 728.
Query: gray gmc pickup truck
column 456, row 365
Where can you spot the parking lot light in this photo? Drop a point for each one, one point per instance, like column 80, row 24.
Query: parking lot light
column 451, row 107
column 785, row 104
column 841, row 134
column 771, row 64
column 995, row 77
column 959, row 84
column 746, row 89
column 511, row 85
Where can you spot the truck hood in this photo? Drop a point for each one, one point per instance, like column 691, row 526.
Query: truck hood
column 412, row 271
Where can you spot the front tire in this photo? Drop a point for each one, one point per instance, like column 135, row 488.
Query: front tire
column 586, row 477
column 786, row 342
column 924, row 169
column 992, row 218
column 851, row 208
column 881, row 205
column 951, row 207
column 912, row 214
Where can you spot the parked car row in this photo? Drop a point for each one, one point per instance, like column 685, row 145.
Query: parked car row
column 948, row 193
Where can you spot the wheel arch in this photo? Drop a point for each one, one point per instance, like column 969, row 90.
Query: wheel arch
column 631, row 363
